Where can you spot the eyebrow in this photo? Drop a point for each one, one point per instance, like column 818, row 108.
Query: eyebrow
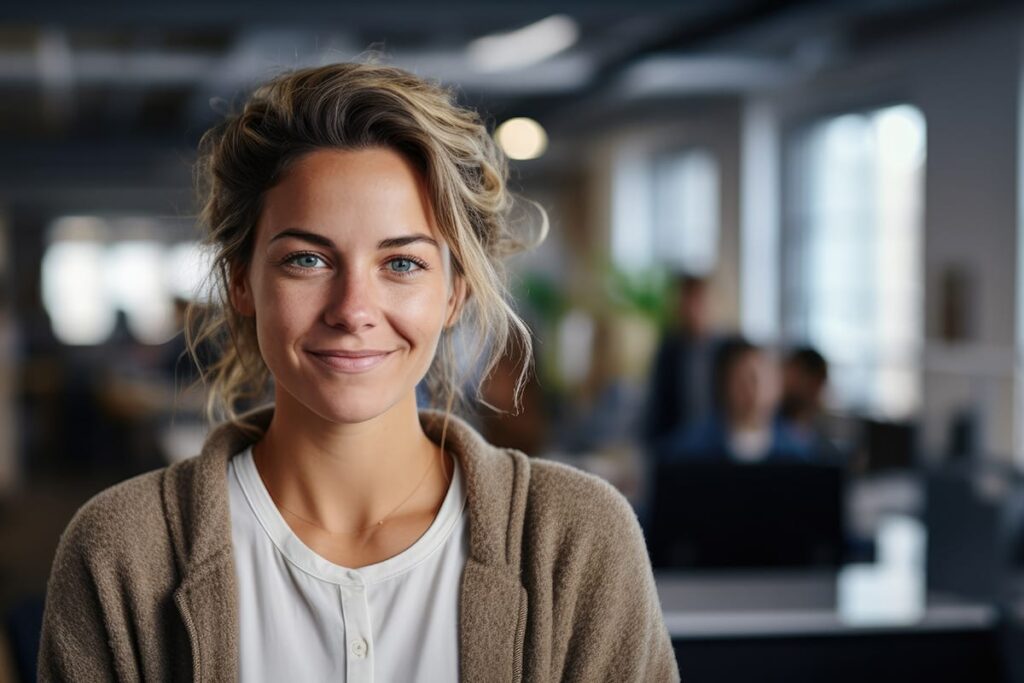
column 393, row 242
column 388, row 243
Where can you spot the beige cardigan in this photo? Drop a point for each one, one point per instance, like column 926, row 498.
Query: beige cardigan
column 557, row 585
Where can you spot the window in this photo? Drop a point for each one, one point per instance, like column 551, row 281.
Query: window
column 665, row 211
column 853, row 254
column 74, row 293
column 88, row 275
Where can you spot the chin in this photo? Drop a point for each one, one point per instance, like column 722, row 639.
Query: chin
column 352, row 408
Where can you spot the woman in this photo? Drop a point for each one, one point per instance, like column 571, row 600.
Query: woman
column 743, row 427
column 357, row 216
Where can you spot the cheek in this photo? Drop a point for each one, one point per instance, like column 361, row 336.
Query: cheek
column 419, row 313
column 283, row 312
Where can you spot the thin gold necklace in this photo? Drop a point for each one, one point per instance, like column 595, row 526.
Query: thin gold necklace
column 374, row 526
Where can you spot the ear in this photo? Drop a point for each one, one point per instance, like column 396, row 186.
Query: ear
column 240, row 292
column 456, row 300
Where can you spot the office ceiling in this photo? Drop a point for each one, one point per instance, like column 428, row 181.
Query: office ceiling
column 127, row 80
column 110, row 69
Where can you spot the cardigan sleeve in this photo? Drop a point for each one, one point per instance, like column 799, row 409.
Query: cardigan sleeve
column 74, row 643
column 619, row 632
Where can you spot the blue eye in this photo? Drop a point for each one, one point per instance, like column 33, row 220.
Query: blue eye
column 307, row 261
column 403, row 265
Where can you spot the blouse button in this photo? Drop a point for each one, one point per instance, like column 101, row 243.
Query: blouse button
column 359, row 648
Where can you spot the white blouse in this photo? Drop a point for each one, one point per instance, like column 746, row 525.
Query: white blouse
column 303, row 618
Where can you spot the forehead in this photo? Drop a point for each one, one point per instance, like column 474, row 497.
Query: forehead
column 348, row 193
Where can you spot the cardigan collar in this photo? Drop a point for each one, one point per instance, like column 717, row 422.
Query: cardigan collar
column 492, row 599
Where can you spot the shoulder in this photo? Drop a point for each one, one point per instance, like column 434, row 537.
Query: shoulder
column 669, row 346
column 587, row 570
column 701, row 438
column 567, row 505
column 549, row 503
column 110, row 579
column 114, row 521
column 569, row 488
column 787, row 444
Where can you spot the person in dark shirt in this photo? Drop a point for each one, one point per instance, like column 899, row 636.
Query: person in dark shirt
column 680, row 387
column 804, row 382
column 742, row 427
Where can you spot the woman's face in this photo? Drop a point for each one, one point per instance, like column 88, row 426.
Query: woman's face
column 752, row 388
column 348, row 282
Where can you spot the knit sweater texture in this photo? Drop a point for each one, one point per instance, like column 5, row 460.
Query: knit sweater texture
column 557, row 586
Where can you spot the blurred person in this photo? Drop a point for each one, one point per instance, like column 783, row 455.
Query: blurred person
column 801, row 410
column 358, row 216
column 605, row 409
column 523, row 424
column 173, row 359
column 743, row 427
column 680, row 386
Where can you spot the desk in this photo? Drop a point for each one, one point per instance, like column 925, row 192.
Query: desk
column 750, row 626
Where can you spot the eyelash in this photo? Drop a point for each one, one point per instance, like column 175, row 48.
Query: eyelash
column 419, row 263
column 290, row 258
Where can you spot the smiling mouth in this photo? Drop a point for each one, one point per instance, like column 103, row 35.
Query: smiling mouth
column 350, row 361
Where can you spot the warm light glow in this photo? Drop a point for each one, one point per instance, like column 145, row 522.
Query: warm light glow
column 522, row 138
column 74, row 293
column 523, row 47
column 84, row 228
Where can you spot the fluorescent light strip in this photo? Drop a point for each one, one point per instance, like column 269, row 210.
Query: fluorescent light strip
column 523, row 47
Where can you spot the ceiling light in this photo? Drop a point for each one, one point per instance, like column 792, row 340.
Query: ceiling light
column 525, row 46
column 522, row 138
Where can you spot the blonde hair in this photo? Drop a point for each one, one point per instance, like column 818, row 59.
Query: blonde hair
column 351, row 107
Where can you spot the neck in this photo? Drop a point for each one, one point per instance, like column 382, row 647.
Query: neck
column 343, row 476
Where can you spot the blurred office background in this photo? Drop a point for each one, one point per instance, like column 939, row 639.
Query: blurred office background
column 781, row 305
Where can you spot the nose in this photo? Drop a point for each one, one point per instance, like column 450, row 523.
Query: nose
column 352, row 305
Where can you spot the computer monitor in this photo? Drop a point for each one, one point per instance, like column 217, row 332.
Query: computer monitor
column 967, row 545
column 890, row 445
column 725, row 515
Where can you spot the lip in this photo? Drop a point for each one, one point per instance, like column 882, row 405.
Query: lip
column 350, row 361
